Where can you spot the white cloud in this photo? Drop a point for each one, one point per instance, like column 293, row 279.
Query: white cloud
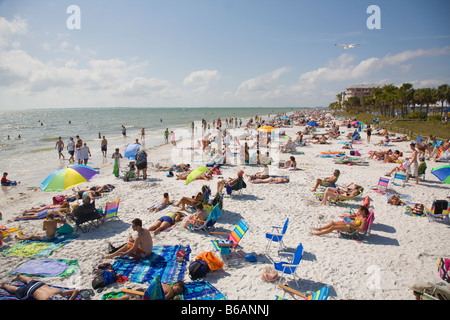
column 201, row 78
column 264, row 83
column 10, row 28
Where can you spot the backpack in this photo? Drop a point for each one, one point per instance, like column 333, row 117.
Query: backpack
column 444, row 269
column 198, row 269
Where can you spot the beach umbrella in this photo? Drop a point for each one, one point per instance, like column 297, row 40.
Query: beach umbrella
column 266, row 129
column 68, row 177
column 311, row 124
column 442, row 173
column 285, row 138
column 195, row 174
column 130, row 150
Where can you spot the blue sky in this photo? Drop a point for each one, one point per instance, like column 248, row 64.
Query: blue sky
column 216, row 53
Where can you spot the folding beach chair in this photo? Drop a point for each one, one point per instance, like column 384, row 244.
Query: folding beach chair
column 276, row 235
column 321, row 294
column 111, row 210
column 213, row 216
column 359, row 236
column 290, row 265
column 401, row 177
column 382, row 185
column 231, row 242
column 87, row 217
column 439, row 211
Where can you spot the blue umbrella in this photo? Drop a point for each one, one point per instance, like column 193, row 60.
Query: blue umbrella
column 311, row 124
column 442, row 173
column 130, row 150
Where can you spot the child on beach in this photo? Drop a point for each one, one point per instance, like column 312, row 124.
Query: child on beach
column 164, row 202
column 49, row 226
column 6, row 183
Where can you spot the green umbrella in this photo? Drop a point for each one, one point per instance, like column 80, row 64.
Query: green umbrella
column 195, row 174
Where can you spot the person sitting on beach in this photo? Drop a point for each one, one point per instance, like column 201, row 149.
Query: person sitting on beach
column 139, row 248
column 401, row 167
column 385, row 141
column 198, row 218
column 37, row 290
column 341, row 193
column 321, row 140
column 59, row 210
column 166, row 222
column 235, row 183
column 289, row 164
column 190, row 201
column 392, row 157
column 164, row 202
column 5, row 182
column 50, row 225
column 260, row 175
column 350, row 224
column 330, row 181
column 270, row 180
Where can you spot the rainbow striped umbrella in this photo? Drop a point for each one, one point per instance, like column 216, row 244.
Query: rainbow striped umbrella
column 68, row 177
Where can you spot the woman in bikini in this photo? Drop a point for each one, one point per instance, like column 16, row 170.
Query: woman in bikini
column 165, row 222
column 343, row 194
column 352, row 224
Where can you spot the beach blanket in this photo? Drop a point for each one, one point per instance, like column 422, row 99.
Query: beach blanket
column 201, row 290
column 38, row 249
column 5, row 295
column 47, row 268
column 404, row 198
column 161, row 263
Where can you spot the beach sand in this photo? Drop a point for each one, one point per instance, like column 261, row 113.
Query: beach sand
column 400, row 250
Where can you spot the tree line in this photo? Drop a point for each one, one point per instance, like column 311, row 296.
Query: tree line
column 389, row 98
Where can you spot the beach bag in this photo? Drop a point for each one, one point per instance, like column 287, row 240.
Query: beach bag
column 418, row 209
column 65, row 229
column 198, row 269
column 58, row 200
column 211, row 260
column 394, row 200
column 439, row 206
column 269, row 274
column 444, row 269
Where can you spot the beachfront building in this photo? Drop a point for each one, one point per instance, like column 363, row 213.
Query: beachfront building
column 360, row 90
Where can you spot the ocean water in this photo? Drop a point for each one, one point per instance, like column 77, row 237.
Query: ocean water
column 32, row 157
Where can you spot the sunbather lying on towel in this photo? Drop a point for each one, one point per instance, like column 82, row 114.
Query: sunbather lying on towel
column 41, row 212
column 350, row 225
column 343, row 194
column 37, row 290
column 164, row 202
column 271, row 180
column 170, row 291
column 165, row 222
column 260, row 175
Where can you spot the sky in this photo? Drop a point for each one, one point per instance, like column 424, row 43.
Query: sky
column 214, row 53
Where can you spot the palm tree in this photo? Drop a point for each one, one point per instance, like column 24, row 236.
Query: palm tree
column 389, row 97
column 405, row 97
column 443, row 95
column 419, row 97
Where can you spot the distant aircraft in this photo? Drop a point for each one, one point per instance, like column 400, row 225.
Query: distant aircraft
column 348, row 46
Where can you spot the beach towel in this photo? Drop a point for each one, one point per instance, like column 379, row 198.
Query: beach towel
column 201, row 290
column 116, row 167
column 162, row 263
column 38, row 249
column 47, row 268
column 404, row 198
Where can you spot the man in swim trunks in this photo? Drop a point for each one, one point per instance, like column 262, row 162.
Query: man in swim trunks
column 37, row 290
column 60, row 146
column 104, row 146
column 50, row 225
column 71, row 149
column 140, row 248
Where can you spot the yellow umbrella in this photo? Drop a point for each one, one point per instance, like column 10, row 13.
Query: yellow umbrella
column 266, row 129
column 195, row 174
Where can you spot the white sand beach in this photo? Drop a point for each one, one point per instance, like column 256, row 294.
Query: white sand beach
column 400, row 250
